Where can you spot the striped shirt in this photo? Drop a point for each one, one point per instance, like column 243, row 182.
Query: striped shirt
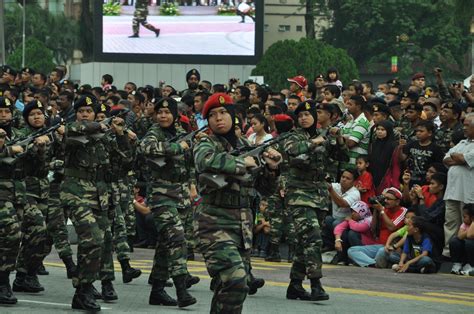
column 357, row 130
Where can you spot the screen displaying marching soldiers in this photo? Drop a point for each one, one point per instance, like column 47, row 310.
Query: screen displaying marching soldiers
column 202, row 27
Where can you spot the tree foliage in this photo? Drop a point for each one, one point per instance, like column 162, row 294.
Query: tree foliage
column 437, row 33
column 37, row 56
column 306, row 57
column 57, row 32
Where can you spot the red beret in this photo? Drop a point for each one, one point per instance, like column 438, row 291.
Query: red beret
column 417, row 76
column 282, row 118
column 215, row 101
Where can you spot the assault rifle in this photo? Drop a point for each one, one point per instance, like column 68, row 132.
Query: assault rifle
column 83, row 139
column 219, row 181
column 24, row 142
column 185, row 137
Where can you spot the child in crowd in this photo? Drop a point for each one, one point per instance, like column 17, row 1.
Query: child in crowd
column 393, row 247
column 461, row 246
column 420, row 154
column 417, row 250
column 261, row 230
column 364, row 182
column 354, row 230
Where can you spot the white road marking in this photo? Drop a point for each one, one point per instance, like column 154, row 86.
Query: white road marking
column 52, row 303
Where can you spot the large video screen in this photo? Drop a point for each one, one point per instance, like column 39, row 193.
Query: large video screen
column 181, row 31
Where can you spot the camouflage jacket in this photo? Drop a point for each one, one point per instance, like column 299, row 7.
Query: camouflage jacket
column 444, row 135
column 36, row 165
column 308, row 166
column 141, row 126
column 168, row 184
column 84, row 157
column 224, row 214
column 7, row 185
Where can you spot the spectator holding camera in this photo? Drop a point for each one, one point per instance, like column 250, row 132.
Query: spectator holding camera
column 342, row 195
column 459, row 191
column 388, row 217
column 462, row 245
column 428, row 198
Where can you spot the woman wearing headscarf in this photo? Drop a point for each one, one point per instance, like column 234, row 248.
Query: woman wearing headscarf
column 384, row 165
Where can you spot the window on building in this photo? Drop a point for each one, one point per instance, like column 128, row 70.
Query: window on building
column 299, row 28
column 284, row 28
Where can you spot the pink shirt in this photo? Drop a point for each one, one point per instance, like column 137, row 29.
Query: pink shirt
column 362, row 227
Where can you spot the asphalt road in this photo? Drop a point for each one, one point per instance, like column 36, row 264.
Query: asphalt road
column 352, row 290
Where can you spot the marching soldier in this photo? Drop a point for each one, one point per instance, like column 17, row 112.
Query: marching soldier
column 87, row 201
column 306, row 196
column 223, row 221
column 9, row 224
column 139, row 17
column 168, row 186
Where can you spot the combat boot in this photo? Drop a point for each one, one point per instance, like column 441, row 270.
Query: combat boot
column 71, row 268
column 153, row 29
column 255, row 284
column 317, row 291
column 128, row 272
column 42, row 271
column 27, row 283
column 184, row 298
column 296, row 291
column 134, row 36
column 158, row 295
column 84, row 299
column 6, row 294
column 95, row 294
column 108, row 291
column 274, row 253
column 191, row 280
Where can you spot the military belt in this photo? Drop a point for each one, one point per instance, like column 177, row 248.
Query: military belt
column 225, row 200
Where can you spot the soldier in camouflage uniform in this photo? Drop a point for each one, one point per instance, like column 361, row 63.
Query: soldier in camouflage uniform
column 34, row 247
column 280, row 219
column 167, row 187
column 406, row 126
column 307, row 194
column 121, row 162
column 9, row 224
column 86, row 200
column 139, row 17
column 449, row 116
column 223, row 221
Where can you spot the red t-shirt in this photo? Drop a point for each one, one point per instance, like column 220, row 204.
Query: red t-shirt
column 397, row 217
column 430, row 199
column 365, row 182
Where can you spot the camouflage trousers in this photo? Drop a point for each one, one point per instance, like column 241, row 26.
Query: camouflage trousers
column 139, row 17
column 224, row 246
column 186, row 216
column 9, row 236
column 119, row 226
column 80, row 197
column 107, row 250
column 307, row 260
column 126, row 204
column 56, row 223
column 281, row 221
column 34, row 243
column 170, row 252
